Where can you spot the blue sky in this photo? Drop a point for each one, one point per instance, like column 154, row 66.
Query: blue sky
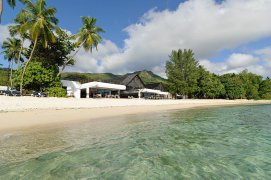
column 226, row 36
column 113, row 16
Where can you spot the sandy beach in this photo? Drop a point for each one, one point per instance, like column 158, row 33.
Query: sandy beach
column 26, row 112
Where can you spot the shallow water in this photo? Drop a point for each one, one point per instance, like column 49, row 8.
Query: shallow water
column 210, row 143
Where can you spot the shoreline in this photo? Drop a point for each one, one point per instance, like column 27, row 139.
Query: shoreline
column 24, row 118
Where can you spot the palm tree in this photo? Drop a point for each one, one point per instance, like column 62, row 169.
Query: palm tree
column 16, row 30
column 40, row 23
column 88, row 37
column 11, row 49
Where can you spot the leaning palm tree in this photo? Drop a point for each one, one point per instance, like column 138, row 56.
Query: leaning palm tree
column 40, row 23
column 87, row 37
column 11, row 48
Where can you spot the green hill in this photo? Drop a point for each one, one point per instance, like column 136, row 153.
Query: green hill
column 87, row 77
column 148, row 77
column 4, row 77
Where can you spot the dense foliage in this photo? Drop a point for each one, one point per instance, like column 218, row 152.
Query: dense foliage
column 56, row 92
column 182, row 72
column 4, row 77
column 38, row 77
column 265, row 89
column 55, row 53
column 188, row 79
column 234, row 88
column 209, row 85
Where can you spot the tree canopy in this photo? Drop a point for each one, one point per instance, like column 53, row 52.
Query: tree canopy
column 38, row 76
column 265, row 89
column 182, row 73
column 188, row 79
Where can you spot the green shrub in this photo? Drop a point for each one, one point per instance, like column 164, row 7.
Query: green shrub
column 56, row 92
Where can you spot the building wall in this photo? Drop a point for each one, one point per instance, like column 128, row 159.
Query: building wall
column 73, row 88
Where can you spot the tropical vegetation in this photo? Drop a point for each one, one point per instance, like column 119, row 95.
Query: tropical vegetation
column 11, row 50
column 50, row 47
column 187, row 79
column 87, row 37
column 4, row 77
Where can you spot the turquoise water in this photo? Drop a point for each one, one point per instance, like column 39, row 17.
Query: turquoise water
column 210, row 143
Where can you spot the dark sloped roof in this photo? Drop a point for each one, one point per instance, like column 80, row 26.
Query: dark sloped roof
column 153, row 85
column 128, row 79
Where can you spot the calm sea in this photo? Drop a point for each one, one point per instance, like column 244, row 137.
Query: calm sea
column 207, row 143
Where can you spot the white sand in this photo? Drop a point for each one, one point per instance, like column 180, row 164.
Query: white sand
column 28, row 103
column 25, row 112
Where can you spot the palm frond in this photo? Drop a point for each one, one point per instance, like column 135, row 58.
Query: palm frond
column 39, row 21
column 11, row 48
column 12, row 3
column 89, row 34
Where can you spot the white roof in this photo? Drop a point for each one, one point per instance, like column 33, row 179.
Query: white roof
column 101, row 85
column 74, row 84
column 153, row 91
column 94, row 84
column 149, row 91
column 164, row 93
column 3, row 88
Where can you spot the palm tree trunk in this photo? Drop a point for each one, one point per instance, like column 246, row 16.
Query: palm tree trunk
column 9, row 68
column 65, row 64
column 30, row 58
column 10, row 77
column 1, row 9
column 19, row 64
column 20, row 54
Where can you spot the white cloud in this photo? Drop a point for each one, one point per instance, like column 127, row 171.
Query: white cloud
column 241, row 60
column 214, row 67
column 265, row 53
column 237, row 63
column 91, row 62
column 4, row 33
column 205, row 26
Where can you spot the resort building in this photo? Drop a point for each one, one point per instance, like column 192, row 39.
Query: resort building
column 135, row 88
column 92, row 89
column 131, row 87
column 133, row 84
